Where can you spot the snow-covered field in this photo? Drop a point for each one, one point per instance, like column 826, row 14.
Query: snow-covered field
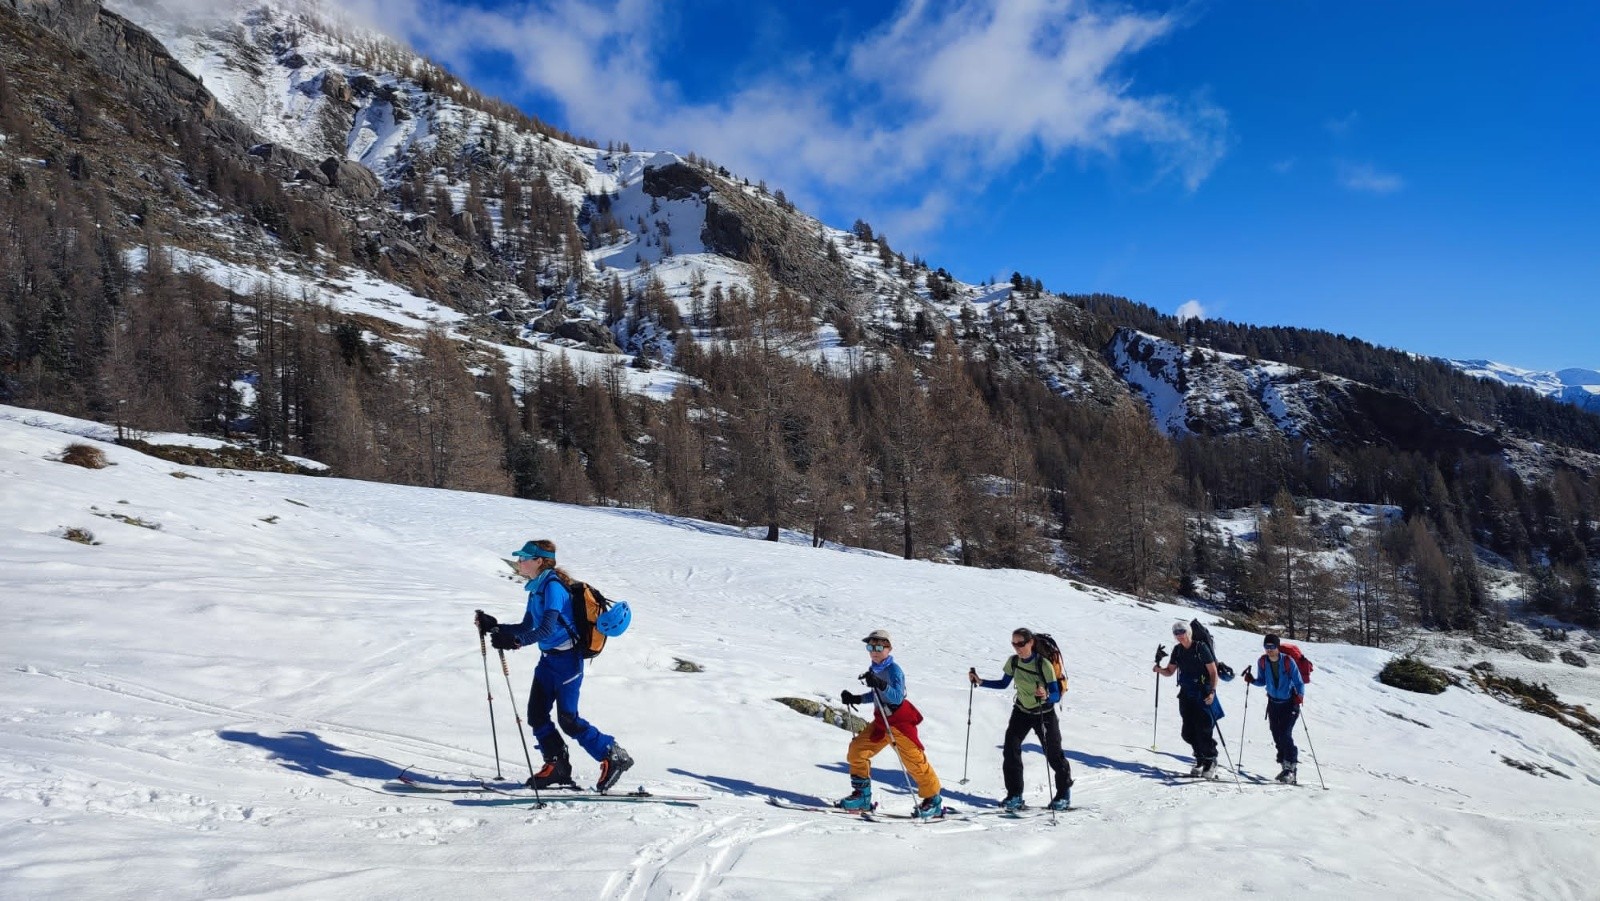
column 206, row 703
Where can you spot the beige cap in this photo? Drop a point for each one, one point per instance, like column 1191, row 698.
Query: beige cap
column 877, row 635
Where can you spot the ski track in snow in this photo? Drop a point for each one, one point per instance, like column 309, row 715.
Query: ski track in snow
column 210, row 709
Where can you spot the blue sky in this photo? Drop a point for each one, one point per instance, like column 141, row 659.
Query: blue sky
column 1418, row 173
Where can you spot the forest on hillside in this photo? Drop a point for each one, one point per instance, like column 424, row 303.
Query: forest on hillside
column 930, row 448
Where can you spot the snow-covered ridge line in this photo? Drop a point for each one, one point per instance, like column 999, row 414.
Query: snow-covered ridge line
column 1579, row 387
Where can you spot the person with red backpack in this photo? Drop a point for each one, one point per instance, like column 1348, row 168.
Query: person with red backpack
column 1040, row 682
column 559, row 674
column 1279, row 675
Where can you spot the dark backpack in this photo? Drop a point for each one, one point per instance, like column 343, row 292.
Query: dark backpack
column 1202, row 636
column 587, row 606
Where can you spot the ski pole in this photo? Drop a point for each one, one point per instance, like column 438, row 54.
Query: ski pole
column 1050, row 786
column 1313, row 748
column 489, row 690
column 971, row 686
column 888, row 730
column 1049, row 771
column 1217, row 728
column 1161, row 653
column 1245, row 717
column 532, row 783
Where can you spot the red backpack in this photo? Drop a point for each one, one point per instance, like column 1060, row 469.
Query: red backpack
column 1290, row 652
column 1299, row 658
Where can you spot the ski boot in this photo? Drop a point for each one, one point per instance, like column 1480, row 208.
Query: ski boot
column 1209, row 770
column 860, row 799
column 556, row 771
column 611, row 769
column 930, row 808
column 1289, row 776
column 1063, row 799
column 1013, row 803
column 1196, row 770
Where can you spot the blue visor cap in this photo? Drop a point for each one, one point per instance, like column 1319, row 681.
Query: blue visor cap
column 531, row 550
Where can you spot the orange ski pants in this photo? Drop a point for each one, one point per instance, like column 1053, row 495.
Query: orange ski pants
column 864, row 746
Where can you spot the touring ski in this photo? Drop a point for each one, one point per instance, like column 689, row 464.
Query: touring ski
column 870, row 816
column 551, row 796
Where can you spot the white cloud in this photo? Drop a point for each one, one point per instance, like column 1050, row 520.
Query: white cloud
column 1190, row 309
column 1342, row 126
column 944, row 94
column 1368, row 179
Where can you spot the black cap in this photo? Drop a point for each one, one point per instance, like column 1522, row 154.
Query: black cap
column 1270, row 642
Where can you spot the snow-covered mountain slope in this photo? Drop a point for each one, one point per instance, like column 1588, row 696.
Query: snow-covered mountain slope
column 1198, row 390
column 1579, row 387
column 206, row 701
column 334, row 91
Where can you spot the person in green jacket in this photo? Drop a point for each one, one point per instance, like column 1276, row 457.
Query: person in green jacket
column 1039, row 686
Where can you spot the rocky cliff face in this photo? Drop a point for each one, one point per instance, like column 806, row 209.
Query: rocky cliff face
column 128, row 54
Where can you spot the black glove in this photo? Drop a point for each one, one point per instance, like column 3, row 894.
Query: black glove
column 874, row 680
column 504, row 640
column 1249, row 680
column 849, row 698
column 484, row 621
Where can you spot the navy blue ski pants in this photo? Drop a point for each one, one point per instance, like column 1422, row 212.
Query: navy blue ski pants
column 1281, row 717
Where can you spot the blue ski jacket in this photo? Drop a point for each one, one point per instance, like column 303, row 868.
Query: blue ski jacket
column 890, row 672
column 1281, row 683
column 548, row 622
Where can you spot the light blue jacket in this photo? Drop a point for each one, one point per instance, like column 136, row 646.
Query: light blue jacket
column 895, row 693
column 1281, row 683
column 548, row 622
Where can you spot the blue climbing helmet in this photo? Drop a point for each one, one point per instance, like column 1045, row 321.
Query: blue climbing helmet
column 614, row 621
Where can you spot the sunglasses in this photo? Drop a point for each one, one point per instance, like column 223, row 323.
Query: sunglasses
column 877, row 647
column 1022, row 643
column 1180, row 631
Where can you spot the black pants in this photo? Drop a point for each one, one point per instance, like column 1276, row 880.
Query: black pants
column 1198, row 729
column 1047, row 726
column 1281, row 716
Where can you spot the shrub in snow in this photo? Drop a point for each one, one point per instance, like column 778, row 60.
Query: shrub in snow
column 1411, row 674
column 1537, row 652
column 81, row 536
column 86, row 455
column 1574, row 658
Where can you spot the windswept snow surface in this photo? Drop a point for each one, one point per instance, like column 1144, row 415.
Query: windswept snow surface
column 206, row 706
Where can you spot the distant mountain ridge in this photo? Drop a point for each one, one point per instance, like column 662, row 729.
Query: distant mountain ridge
column 1579, row 387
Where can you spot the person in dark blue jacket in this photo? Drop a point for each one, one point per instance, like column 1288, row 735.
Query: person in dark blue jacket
column 559, row 676
column 1039, row 687
column 1280, row 676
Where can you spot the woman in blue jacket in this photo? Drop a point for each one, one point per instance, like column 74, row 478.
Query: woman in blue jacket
column 559, row 676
